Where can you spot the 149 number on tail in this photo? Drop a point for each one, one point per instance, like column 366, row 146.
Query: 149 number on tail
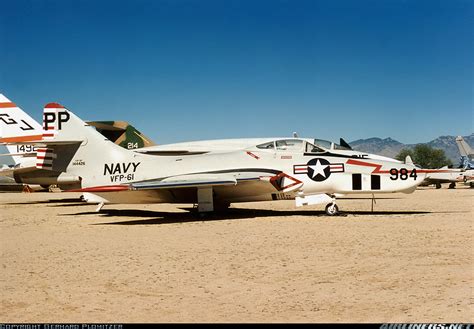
column 402, row 174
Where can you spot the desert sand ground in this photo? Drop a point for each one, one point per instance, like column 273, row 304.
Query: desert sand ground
column 411, row 260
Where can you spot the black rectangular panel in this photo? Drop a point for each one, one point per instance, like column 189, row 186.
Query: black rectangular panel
column 375, row 182
column 357, row 182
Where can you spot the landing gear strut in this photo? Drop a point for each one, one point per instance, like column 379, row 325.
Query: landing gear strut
column 99, row 207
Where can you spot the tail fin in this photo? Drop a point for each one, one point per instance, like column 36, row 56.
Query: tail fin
column 17, row 126
column 122, row 133
column 464, row 148
column 77, row 148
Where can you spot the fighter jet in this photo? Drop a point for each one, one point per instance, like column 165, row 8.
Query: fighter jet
column 125, row 135
column 291, row 168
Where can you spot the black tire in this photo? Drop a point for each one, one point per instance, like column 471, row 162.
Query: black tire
column 452, row 185
column 438, row 185
column 221, row 206
column 332, row 209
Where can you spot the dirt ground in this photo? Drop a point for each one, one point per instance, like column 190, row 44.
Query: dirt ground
column 411, row 260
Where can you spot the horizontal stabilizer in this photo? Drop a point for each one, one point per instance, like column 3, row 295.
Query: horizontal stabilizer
column 24, row 155
column 16, row 170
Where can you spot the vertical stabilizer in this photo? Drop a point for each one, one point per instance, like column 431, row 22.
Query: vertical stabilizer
column 17, row 126
column 75, row 147
column 464, row 148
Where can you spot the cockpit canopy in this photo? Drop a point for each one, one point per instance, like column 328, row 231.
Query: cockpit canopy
column 330, row 145
column 291, row 145
column 302, row 145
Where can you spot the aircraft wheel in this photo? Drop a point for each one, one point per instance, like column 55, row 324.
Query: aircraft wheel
column 452, row 185
column 221, row 206
column 332, row 209
column 438, row 185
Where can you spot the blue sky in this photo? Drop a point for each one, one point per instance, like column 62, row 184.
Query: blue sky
column 194, row 69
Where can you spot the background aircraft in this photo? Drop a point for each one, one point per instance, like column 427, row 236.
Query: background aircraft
column 448, row 175
column 467, row 153
column 463, row 173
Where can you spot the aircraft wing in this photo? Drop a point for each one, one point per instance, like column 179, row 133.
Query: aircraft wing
column 201, row 180
column 280, row 182
column 231, row 183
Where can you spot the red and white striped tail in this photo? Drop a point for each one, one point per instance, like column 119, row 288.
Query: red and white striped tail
column 44, row 158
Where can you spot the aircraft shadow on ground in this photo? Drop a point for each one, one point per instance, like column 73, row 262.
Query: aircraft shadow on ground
column 54, row 202
column 157, row 217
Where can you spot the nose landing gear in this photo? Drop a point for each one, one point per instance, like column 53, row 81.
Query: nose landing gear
column 332, row 209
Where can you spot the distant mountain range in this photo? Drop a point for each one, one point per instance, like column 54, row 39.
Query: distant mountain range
column 390, row 147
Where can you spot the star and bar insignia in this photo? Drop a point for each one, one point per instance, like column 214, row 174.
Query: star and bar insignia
column 318, row 169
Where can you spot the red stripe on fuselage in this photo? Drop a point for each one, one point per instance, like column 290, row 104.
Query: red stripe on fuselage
column 109, row 188
column 368, row 164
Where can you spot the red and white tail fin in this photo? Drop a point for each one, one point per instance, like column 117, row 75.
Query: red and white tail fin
column 61, row 126
column 17, row 126
column 69, row 144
